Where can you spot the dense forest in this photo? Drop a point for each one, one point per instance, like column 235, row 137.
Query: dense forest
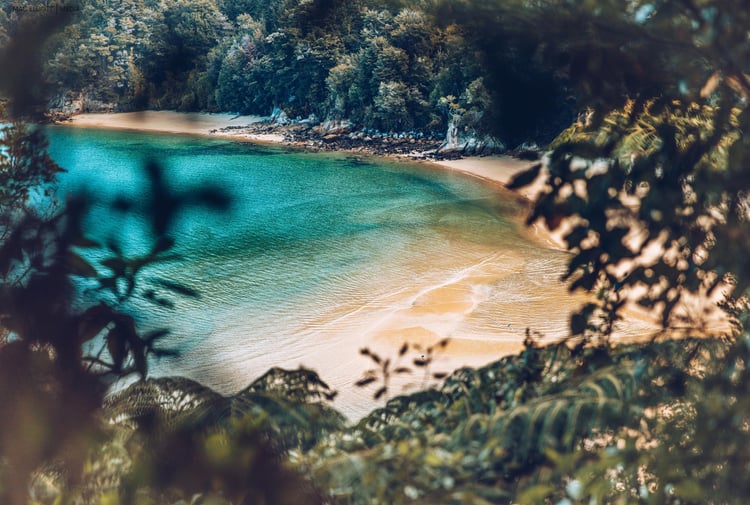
column 656, row 161
column 387, row 65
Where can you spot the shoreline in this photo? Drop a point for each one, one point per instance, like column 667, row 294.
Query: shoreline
column 158, row 121
column 418, row 317
column 495, row 168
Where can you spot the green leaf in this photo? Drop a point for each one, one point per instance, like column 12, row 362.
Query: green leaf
column 164, row 243
column 152, row 336
column 150, row 295
column 576, row 236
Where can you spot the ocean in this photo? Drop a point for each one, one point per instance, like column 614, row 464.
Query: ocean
column 317, row 256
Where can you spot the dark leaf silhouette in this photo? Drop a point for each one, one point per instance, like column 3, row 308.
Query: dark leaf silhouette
column 364, row 382
column 526, row 177
column 178, row 288
column 80, row 267
column 404, row 349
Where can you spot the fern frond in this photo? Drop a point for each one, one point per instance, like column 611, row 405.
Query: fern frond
column 557, row 421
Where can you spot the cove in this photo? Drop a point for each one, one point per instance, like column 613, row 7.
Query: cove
column 320, row 255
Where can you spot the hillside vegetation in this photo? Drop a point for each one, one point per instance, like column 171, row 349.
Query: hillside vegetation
column 387, row 65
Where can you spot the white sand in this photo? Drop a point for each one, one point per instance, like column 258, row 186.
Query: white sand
column 499, row 169
column 163, row 121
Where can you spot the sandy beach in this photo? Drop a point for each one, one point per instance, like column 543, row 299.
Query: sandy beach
column 163, row 121
column 422, row 317
column 500, row 169
column 175, row 122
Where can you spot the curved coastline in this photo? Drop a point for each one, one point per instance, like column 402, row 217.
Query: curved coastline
column 419, row 316
column 495, row 169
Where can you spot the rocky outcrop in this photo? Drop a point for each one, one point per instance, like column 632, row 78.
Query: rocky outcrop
column 279, row 117
column 341, row 135
column 467, row 143
column 68, row 104
column 333, row 128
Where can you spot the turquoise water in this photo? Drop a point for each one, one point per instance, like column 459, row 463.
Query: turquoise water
column 316, row 253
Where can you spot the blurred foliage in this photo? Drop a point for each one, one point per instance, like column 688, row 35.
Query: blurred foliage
column 650, row 188
column 58, row 352
column 641, row 423
column 182, row 439
column 651, row 181
column 555, row 424
column 385, row 368
column 25, row 169
column 23, row 38
column 656, row 161
column 162, row 439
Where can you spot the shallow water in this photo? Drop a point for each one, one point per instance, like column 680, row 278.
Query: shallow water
column 320, row 255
